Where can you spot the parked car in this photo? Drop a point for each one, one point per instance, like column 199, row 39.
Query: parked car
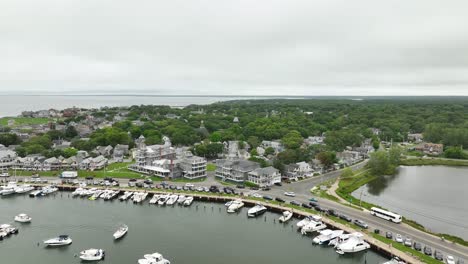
column 295, row 203
column 266, row 188
column 417, row 246
column 399, row 238
column 408, row 242
column 313, row 200
column 214, row 189
column 438, row 255
column 240, row 186
column 306, row 206
column 189, row 185
column 256, row 195
column 320, row 209
column 281, row 200
column 172, row 187
column 389, row 235
column 290, row 194
column 333, row 212
column 266, row 197
column 346, row 218
column 428, row 250
column 278, row 184
column 254, row 188
column 313, row 204
column 361, row 223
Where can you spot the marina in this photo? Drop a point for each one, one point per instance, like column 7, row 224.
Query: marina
column 258, row 208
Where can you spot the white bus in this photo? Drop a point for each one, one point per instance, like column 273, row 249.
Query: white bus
column 386, row 215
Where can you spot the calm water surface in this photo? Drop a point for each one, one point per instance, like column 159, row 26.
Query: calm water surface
column 12, row 105
column 183, row 235
column 434, row 196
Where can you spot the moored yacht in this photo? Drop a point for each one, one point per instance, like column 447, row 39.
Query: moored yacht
column 122, row 231
column 35, row 193
column 92, row 254
column 181, row 199
column 304, row 221
column 163, row 199
column 188, row 201
column 355, row 243
column 23, row 218
column 48, row 190
column 24, row 188
column 286, row 216
column 315, row 224
column 8, row 189
column 235, row 206
column 8, row 229
column 154, row 258
column 256, row 210
column 327, row 235
column 172, row 199
column 62, row 240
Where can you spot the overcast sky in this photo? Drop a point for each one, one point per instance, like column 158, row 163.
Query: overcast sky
column 242, row 47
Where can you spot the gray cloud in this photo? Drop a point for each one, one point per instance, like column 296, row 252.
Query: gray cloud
column 324, row 47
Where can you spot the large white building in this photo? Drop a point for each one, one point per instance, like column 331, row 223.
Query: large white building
column 264, row 176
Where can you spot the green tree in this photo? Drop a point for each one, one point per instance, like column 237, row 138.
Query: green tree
column 269, row 151
column 292, row 140
column 327, row 158
column 216, row 137
column 347, row 172
column 455, row 153
column 69, row 152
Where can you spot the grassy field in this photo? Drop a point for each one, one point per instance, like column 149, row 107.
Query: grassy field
column 19, row 121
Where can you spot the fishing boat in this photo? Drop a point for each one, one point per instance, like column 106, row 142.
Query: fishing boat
column 62, row 240
column 154, row 258
column 256, row 210
column 122, row 231
column 92, row 254
column 286, row 216
column 23, row 218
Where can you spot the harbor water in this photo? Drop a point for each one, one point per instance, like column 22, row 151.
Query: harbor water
column 202, row 233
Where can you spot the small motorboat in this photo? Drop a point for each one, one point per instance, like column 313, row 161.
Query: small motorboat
column 163, row 199
column 122, row 231
column 326, row 236
column 23, row 218
column 8, row 229
column 181, row 199
column 287, row 215
column 172, row 199
column 62, row 240
column 154, row 258
column 35, row 193
column 188, row 201
column 256, row 210
column 92, row 254
column 235, row 206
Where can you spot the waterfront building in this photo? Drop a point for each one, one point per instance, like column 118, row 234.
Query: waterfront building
column 234, row 170
column 264, row 177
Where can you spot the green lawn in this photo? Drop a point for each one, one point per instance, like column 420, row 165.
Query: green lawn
column 433, row 161
column 210, row 167
column 24, row 121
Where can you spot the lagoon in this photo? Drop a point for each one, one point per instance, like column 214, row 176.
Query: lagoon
column 187, row 235
column 434, row 196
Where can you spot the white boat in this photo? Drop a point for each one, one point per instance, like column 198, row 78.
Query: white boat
column 355, row 243
column 8, row 189
column 256, row 210
column 315, row 224
column 396, row 260
column 304, row 221
column 154, row 258
column 227, row 204
column 172, row 199
column 92, row 254
column 188, row 201
column 8, row 229
column 48, row 190
column 23, row 218
column 35, row 193
column 163, row 199
column 24, row 188
column 307, row 220
column 78, row 191
column 181, row 199
column 286, row 216
column 122, row 231
column 235, row 206
column 125, row 196
column 327, row 235
column 154, row 199
column 62, row 240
